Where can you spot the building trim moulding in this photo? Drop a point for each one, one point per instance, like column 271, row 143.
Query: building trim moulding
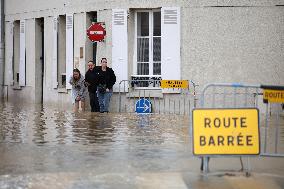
column 104, row 5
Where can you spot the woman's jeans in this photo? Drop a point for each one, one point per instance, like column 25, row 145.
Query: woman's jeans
column 104, row 99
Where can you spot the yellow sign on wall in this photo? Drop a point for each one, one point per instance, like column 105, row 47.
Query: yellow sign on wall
column 274, row 95
column 226, row 132
column 181, row 84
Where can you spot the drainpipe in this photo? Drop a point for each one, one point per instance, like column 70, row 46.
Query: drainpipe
column 2, row 17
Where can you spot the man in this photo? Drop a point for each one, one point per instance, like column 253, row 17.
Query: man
column 90, row 79
column 105, row 79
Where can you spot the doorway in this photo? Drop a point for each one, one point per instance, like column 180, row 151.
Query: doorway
column 39, row 59
column 91, row 48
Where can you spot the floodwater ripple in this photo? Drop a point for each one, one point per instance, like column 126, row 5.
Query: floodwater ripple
column 40, row 145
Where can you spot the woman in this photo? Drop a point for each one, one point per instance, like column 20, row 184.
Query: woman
column 79, row 91
column 105, row 80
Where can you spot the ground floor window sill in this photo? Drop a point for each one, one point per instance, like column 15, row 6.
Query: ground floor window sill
column 145, row 93
column 16, row 88
column 62, row 90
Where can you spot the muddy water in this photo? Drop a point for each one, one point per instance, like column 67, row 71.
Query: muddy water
column 50, row 147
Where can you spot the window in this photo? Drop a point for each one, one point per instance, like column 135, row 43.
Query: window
column 147, row 62
column 61, row 51
column 148, row 43
column 16, row 51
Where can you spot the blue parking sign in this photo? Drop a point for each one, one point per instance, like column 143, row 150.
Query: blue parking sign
column 143, row 105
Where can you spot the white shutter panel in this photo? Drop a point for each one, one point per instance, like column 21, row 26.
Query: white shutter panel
column 170, row 44
column 69, row 48
column 119, row 47
column 54, row 53
column 10, row 51
column 22, row 67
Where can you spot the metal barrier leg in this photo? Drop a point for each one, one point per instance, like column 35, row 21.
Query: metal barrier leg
column 125, row 108
column 184, row 106
column 119, row 106
column 202, row 164
column 248, row 170
column 179, row 107
column 164, row 105
column 169, row 106
column 154, row 105
column 188, row 106
column 174, row 106
column 277, row 130
column 159, row 105
column 206, row 164
column 265, row 131
column 242, row 165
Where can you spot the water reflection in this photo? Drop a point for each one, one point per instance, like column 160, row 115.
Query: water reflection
column 38, row 138
column 39, row 126
column 13, row 124
column 61, row 126
column 92, row 128
column 35, row 124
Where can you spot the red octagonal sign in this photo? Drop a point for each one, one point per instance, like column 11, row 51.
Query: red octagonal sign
column 96, row 32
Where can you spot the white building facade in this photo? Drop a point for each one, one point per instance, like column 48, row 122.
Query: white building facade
column 200, row 40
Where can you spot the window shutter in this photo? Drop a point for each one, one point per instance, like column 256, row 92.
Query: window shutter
column 170, row 44
column 22, row 66
column 10, row 51
column 54, row 53
column 119, row 47
column 69, row 48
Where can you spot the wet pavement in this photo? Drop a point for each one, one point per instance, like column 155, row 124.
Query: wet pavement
column 50, row 147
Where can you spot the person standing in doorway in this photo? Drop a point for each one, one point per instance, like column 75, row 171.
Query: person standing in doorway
column 79, row 91
column 90, row 80
column 105, row 79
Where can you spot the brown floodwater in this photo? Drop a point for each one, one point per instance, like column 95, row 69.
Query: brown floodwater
column 51, row 147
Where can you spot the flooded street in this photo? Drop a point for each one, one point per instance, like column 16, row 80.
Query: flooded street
column 47, row 147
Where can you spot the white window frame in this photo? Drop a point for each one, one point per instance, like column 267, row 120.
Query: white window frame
column 151, row 36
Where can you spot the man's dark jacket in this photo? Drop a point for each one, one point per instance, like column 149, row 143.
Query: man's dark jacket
column 90, row 77
column 105, row 77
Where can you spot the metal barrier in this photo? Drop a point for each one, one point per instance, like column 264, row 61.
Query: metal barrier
column 172, row 101
column 223, row 95
column 274, row 121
